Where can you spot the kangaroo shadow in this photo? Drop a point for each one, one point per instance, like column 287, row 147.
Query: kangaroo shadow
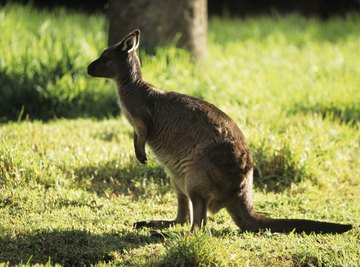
column 69, row 247
column 272, row 173
column 133, row 178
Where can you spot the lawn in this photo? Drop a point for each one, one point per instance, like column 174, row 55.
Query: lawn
column 71, row 188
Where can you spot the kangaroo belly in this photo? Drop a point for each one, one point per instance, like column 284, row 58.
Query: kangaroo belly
column 176, row 162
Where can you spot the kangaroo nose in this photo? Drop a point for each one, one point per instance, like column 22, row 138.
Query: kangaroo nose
column 90, row 69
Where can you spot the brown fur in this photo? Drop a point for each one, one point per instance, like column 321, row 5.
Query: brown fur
column 202, row 149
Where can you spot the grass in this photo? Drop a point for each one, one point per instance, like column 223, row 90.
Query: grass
column 42, row 68
column 71, row 188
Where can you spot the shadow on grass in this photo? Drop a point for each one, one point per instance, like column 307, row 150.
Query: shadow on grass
column 272, row 173
column 349, row 114
column 69, row 248
column 132, row 179
column 297, row 29
column 277, row 169
column 306, row 260
column 36, row 97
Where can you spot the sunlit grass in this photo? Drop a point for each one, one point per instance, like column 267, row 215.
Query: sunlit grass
column 71, row 189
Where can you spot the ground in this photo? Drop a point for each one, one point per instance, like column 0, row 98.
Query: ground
column 71, row 188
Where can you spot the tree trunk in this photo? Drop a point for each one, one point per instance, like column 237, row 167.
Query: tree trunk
column 161, row 22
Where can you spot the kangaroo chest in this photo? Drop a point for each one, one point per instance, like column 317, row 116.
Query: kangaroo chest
column 126, row 112
column 128, row 116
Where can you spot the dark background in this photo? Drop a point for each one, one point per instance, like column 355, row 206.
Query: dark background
column 321, row 8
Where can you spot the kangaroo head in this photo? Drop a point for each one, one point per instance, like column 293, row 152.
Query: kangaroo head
column 119, row 62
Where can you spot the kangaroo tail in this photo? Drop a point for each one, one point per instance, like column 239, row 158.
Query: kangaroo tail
column 242, row 212
column 249, row 220
column 303, row 226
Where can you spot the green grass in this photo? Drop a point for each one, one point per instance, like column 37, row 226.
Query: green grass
column 71, row 188
column 43, row 65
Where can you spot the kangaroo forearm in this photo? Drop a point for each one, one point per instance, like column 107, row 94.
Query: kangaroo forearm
column 139, row 145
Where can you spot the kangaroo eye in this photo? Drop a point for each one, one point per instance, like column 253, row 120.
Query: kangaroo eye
column 106, row 61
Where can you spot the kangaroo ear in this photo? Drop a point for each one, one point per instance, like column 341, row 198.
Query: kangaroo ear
column 130, row 42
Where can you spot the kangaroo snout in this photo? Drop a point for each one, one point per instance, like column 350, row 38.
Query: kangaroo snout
column 91, row 69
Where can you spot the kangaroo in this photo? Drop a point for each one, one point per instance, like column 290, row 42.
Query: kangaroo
column 202, row 149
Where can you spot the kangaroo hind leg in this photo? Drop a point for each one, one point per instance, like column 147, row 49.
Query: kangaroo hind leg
column 199, row 211
column 198, row 188
column 183, row 214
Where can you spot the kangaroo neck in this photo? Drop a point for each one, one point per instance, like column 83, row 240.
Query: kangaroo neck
column 130, row 75
column 130, row 85
column 130, row 90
